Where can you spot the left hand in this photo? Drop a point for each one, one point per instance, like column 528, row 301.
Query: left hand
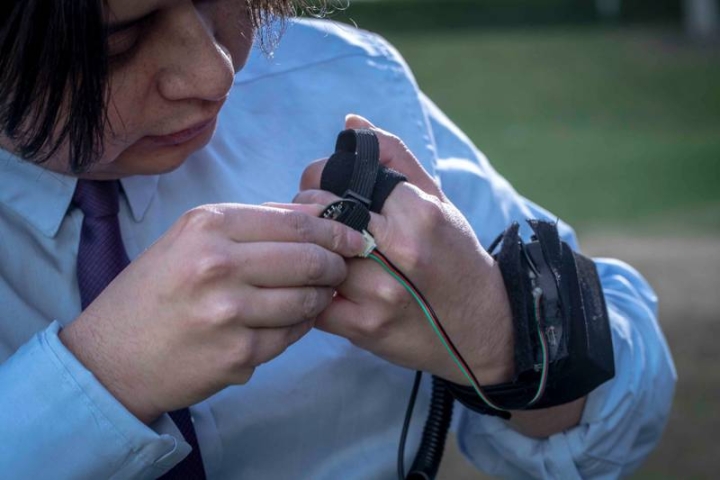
column 431, row 242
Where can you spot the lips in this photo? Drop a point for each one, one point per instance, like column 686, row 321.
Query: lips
column 183, row 136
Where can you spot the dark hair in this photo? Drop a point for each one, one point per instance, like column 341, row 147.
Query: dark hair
column 54, row 69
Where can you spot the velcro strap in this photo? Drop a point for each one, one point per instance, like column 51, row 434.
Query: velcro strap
column 354, row 170
column 364, row 144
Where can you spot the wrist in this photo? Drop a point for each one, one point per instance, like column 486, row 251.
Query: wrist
column 85, row 345
column 489, row 342
column 500, row 358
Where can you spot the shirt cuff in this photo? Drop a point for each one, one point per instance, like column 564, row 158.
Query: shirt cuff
column 51, row 401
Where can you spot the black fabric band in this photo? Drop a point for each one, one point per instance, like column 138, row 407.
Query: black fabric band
column 572, row 316
column 354, row 170
column 364, row 144
column 387, row 180
column 350, row 212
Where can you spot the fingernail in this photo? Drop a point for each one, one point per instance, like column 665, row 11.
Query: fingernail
column 358, row 118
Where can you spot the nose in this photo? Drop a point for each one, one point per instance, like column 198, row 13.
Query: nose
column 194, row 64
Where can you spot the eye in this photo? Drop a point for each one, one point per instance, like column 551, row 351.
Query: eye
column 123, row 37
column 123, row 41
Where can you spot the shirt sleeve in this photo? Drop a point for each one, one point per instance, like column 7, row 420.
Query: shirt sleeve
column 58, row 421
column 623, row 418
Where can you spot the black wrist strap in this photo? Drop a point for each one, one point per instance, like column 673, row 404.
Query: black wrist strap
column 570, row 314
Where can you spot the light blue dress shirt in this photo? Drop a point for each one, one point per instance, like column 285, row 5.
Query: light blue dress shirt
column 325, row 409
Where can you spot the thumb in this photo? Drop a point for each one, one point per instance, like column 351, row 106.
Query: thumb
column 394, row 154
column 354, row 121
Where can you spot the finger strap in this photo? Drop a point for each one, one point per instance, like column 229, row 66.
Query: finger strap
column 354, row 170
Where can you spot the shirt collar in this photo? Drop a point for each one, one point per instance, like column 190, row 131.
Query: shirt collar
column 140, row 191
column 42, row 197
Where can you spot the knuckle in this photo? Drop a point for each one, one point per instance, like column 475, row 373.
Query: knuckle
column 301, row 224
column 202, row 219
column 244, row 352
column 290, row 336
column 376, row 327
column 210, row 263
column 431, row 214
column 314, row 262
column 309, row 303
column 337, row 237
column 224, row 310
column 216, row 312
column 391, row 293
column 399, row 148
column 396, row 141
column 313, row 302
column 415, row 256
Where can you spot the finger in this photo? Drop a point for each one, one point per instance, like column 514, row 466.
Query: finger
column 243, row 223
column 269, row 264
column 368, row 281
column 378, row 223
column 314, row 209
column 407, row 201
column 312, row 174
column 239, row 376
column 362, row 324
column 264, row 344
column 407, row 206
column 395, row 154
column 317, row 197
column 339, row 318
column 285, row 307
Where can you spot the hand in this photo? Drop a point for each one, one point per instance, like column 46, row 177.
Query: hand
column 423, row 234
column 226, row 289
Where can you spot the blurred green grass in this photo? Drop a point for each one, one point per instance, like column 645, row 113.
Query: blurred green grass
column 604, row 126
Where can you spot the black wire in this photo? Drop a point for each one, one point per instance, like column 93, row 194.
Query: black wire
column 529, row 260
column 495, row 243
column 406, row 426
column 432, row 443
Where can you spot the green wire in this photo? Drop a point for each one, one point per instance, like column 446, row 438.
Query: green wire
column 541, row 387
column 429, row 316
column 435, row 328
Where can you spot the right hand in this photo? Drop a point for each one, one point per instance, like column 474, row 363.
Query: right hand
column 226, row 289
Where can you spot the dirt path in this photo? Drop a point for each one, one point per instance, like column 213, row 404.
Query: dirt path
column 685, row 273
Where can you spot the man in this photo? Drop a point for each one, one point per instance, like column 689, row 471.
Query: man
column 218, row 287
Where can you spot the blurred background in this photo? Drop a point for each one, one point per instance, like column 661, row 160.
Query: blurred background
column 606, row 112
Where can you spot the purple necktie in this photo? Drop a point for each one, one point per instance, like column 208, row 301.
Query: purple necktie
column 101, row 257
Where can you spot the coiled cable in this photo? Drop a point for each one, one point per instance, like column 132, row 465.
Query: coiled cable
column 432, row 445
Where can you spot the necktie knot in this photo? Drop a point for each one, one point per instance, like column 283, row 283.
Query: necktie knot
column 97, row 198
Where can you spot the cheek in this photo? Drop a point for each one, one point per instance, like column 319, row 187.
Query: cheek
column 129, row 99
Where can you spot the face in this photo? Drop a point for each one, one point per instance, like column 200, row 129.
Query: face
column 172, row 64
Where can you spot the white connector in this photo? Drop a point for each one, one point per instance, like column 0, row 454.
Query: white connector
column 370, row 244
